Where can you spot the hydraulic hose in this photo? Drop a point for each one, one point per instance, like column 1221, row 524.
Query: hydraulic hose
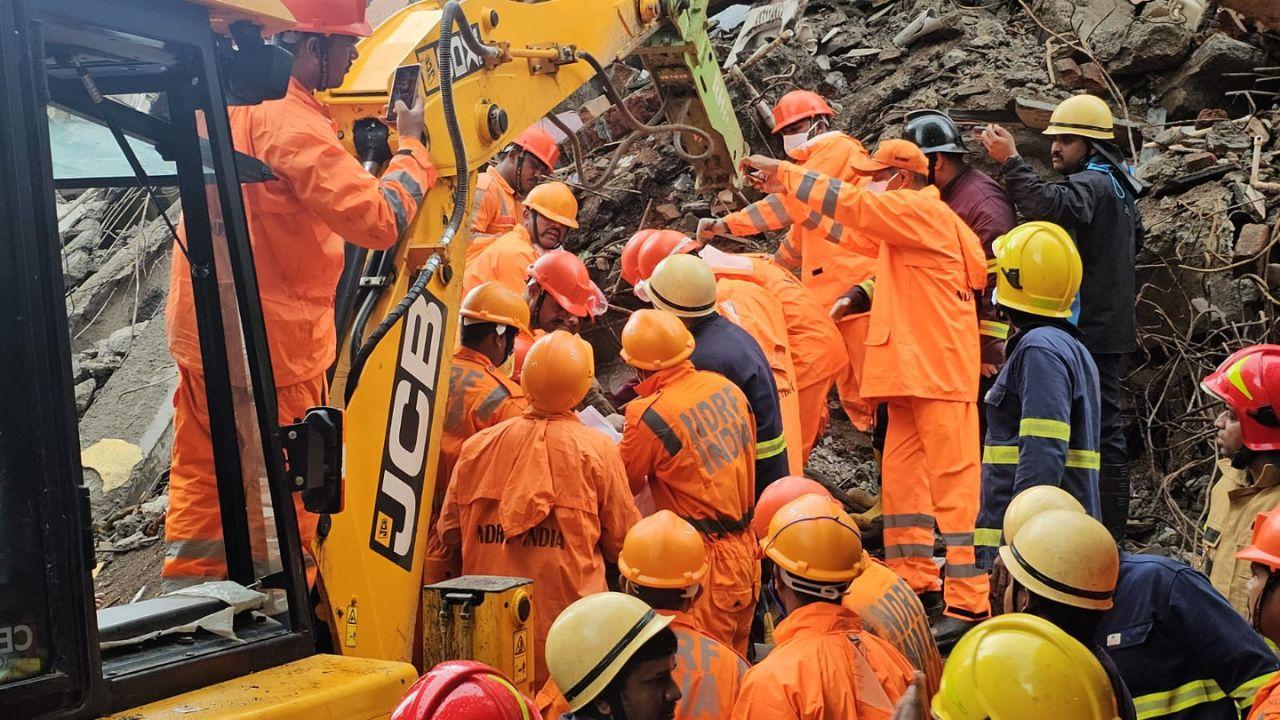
column 451, row 16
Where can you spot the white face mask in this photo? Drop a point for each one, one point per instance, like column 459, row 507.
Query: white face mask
column 794, row 141
column 877, row 186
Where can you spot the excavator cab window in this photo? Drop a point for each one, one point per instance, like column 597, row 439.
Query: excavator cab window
column 115, row 153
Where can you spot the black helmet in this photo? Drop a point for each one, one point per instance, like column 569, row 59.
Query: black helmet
column 934, row 132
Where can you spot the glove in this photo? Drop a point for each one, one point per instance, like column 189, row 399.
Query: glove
column 708, row 228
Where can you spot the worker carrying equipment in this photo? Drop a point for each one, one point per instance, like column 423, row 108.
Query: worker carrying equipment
column 542, row 495
column 1248, row 383
column 690, row 437
column 497, row 207
column 922, row 360
column 1043, row 412
column 464, row 690
column 550, row 211
column 824, row 665
column 1017, row 667
column 297, row 224
column 1263, row 555
column 614, row 655
column 685, row 286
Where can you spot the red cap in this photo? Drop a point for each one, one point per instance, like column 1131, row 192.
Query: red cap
column 894, row 153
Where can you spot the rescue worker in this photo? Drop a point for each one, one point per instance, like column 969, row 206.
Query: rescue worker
column 1043, row 410
column 500, row 188
column 1179, row 647
column 685, row 286
column 463, row 690
column 1024, row 506
column 297, row 225
column 615, row 657
column 689, row 438
column 824, row 666
column 541, row 495
column 1263, row 555
column 550, row 211
column 922, row 359
column 1019, row 667
column 811, row 246
column 885, row 603
column 742, row 297
column 1248, row 383
column 1099, row 209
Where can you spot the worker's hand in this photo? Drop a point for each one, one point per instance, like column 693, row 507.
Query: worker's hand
column 999, row 585
column 913, row 705
column 708, row 228
column 992, row 354
column 409, row 120
column 999, row 143
column 853, row 302
column 762, row 173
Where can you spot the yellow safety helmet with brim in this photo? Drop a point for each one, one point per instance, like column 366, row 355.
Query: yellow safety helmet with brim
column 1083, row 115
column 1067, row 557
column 1038, row 269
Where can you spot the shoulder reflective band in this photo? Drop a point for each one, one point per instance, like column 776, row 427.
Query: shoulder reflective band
column 1056, row 585
column 675, row 306
column 1045, row 428
column 572, row 693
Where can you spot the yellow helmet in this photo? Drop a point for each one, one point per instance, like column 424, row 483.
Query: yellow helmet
column 655, row 340
column 557, row 372
column 1067, row 557
column 1016, row 667
column 682, row 285
column 1038, row 269
column 1033, row 501
column 593, row 638
column 663, row 551
column 554, row 201
column 1083, row 115
column 813, row 538
column 496, row 303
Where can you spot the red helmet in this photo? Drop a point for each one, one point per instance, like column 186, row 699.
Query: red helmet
column 798, row 105
column 631, row 255
column 779, row 493
column 539, row 142
column 464, row 690
column 562, row 275
column 330, row 17
column 660, row 245
column 1249, row 383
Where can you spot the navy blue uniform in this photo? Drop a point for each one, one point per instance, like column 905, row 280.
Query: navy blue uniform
column 720, row 346
column 1042, row 427
column 1181, row 648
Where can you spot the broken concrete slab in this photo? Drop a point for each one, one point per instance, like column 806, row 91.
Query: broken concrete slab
column 1198, row 161
column 1201, row 81
column 1251, row 239
column 1225, row 136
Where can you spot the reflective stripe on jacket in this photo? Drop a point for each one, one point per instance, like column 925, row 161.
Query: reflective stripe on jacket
column 494, row 211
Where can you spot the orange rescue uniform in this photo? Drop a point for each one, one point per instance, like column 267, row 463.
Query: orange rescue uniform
column 540, row 496
column 922, row 358
column 297, row 226
column 505, row 260
column 1266, row 706
column 812, row 245
column 824, row 667
column 690, row 436
column 494, row 212
column 891, row 610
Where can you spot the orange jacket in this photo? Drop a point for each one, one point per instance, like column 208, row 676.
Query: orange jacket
column 543, row 497
column 923, row 337
column 494, row 211
column 297, row 224
column 708, row 672
column 480, row 396
column 813, row 242
column 891, row 610
column 505, row 260
column 1266, row 705
column 752, row 308
column 824, row 667
column 817, row 348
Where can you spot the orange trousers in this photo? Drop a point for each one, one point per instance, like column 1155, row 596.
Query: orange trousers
column 727, row 604
column 849, row 385
column 932, row 474
column 792, row 430
column 194, row 550
column 814, row 413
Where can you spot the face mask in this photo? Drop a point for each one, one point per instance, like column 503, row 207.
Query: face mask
column 793, row 142
column 876, row 186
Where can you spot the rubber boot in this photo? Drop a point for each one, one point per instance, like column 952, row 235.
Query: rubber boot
column 1113, row 492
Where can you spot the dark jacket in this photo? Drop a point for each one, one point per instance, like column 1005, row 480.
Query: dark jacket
column 722, row 347
column 1097, row 207
column 985, row 208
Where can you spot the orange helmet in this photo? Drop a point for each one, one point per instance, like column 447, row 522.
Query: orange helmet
column 496, row 303
column 631, row 255
column 563, row 275
column 813, row 538
column 779, row 493
column 557, row 372
column 798, row 105
column 554, row 201
column 663, row 551
column 660, row 245
column 1249, row 383
column 523, row 343
column 539, row 142
column 330, row 17
column 1264, row 548
column 464, row 690
column 655, row 340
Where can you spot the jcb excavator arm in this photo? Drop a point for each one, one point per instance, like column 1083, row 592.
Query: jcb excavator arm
column 511, row 64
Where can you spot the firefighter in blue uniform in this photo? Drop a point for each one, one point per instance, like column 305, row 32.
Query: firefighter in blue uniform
column 1043, row 410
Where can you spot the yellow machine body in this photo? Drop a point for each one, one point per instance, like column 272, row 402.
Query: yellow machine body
column 484, row 618
column 271, row 15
